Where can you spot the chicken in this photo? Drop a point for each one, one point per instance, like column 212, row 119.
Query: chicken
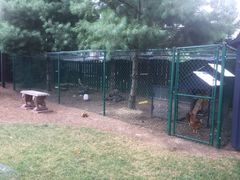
column 200, row 105
column 193, row 122
column 84, row 115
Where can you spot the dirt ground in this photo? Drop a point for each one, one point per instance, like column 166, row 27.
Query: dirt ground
column 146, row 131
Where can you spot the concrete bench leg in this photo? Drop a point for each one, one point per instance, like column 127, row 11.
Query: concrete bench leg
column 28, row 99
column 40, row 103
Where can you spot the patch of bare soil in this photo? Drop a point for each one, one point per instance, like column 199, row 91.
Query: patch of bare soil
column 140, row 127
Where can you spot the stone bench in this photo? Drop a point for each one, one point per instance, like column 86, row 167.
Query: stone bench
column 34, row 100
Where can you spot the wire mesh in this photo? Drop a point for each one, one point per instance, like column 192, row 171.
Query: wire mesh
column 195, row 84
column 29, row 72
column 153, row 75
column 198, row 96
column 77, row 73
column 228, row 88
column 194, row 74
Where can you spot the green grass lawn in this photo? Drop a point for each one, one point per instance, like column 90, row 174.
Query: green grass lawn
column 57, row 152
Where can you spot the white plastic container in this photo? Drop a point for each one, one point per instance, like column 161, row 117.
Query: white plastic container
column 85, row 97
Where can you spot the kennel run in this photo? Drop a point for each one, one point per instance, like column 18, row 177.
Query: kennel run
column 189, row 88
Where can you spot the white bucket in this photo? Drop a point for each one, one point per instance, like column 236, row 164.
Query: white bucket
column 85, row 97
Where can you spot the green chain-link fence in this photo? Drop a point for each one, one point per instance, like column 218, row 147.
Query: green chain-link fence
column 227, row 101
column 185, row 86
column 5, row 69
column 73, row 74
column 29, row 72
column 152, row 75
column 201, row 92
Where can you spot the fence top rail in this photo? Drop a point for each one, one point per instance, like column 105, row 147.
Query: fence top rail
column 200, row 46
column 112, row 52
column 148, row 54
column 77, row 51
column 232, row 48
column 88, row 55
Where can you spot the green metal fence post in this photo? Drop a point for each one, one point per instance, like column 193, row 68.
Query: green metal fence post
column 213, row 99
column 13, row 72
column 30, row 78
column 170, row 100
column 176, row 91
column 104, row 85
column 48, row 83
column 2, row 71
column 1, row 61
column 219, row 120
column 59, row 88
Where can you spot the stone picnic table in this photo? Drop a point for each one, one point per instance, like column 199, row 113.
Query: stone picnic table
column 34, row 100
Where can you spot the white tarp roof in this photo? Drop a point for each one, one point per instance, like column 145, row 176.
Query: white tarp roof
column 219, row 69
column 209, row 79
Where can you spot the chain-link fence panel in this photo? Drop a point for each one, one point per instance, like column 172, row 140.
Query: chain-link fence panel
column 227, row 99
column 78, row 78
column 5, row 69
column 195, row 93
column 152, row 73
column 187, row 86
column 203, row 84
column 29, row 72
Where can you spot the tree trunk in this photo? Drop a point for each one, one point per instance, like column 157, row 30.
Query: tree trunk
column 133, row 91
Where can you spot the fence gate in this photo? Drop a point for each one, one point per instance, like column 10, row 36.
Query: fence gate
column 195, row 93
